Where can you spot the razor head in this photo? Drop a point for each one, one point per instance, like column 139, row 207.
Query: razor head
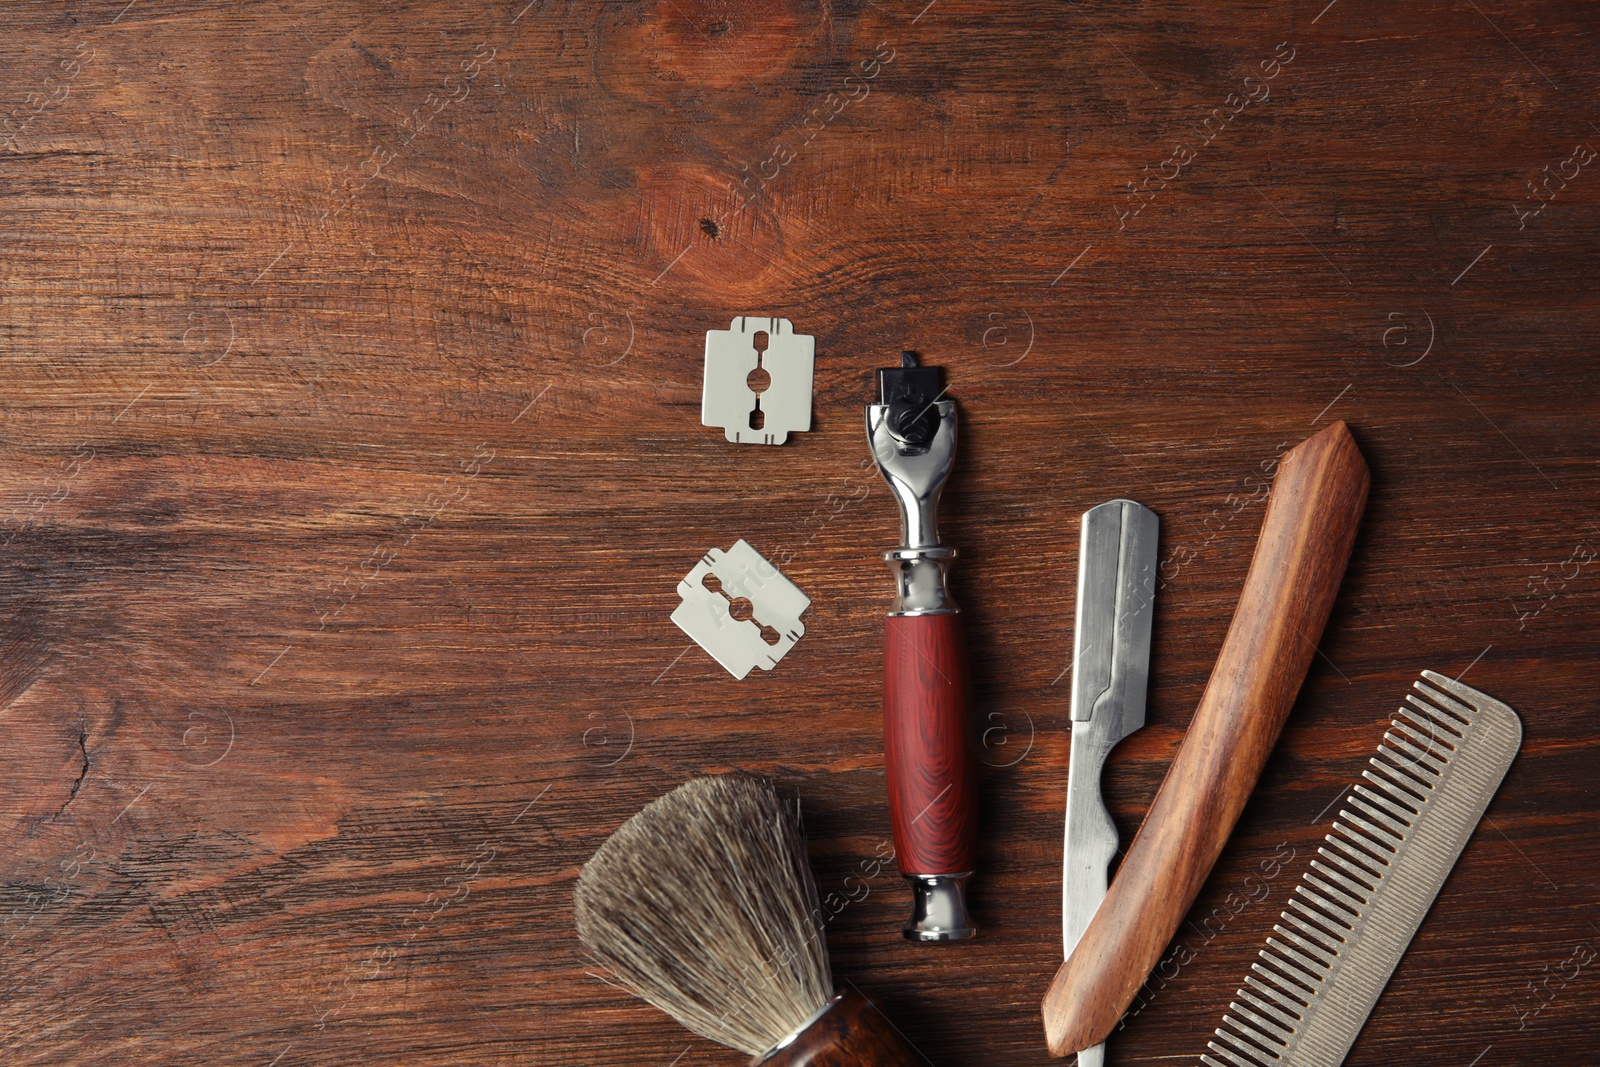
column 912, row 434
column 911, row 393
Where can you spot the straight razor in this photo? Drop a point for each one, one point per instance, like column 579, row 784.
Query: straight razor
column 1110, row 672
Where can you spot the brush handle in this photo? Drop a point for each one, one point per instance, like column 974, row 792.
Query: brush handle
column 932, row 782
column 851, row 1033
column 1309, row 528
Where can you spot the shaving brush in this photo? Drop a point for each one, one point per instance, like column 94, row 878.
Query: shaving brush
column 703, row 904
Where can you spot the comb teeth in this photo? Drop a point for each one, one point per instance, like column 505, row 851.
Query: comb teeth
column 1364, row 895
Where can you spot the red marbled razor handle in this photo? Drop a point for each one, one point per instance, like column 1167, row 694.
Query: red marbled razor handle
column 932, row 782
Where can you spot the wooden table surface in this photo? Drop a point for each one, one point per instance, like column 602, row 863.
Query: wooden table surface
column 351, row 456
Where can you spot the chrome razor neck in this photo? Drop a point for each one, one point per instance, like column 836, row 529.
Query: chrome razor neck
column 921, row 581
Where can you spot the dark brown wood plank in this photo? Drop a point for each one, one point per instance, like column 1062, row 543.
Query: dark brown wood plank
column 350, row 454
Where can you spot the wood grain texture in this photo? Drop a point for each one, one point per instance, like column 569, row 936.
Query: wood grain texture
column 1318, row 495
column 851, row 1033
column 283, row 677
column 928, row 738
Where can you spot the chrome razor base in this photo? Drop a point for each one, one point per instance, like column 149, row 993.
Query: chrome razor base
column 939, row 908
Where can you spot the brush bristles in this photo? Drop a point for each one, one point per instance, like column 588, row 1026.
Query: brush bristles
column 703, row 904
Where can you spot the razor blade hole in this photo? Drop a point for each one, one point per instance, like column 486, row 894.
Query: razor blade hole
column 742, row 610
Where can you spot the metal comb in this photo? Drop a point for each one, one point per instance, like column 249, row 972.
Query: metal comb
column 1355, row 911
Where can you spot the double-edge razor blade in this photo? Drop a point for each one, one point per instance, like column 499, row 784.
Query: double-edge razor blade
column 706, row 613
column 732, row 355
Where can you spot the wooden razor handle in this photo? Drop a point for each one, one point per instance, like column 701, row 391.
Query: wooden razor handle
column 1306, row 535
column 933, row 796
column 851, row 1033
